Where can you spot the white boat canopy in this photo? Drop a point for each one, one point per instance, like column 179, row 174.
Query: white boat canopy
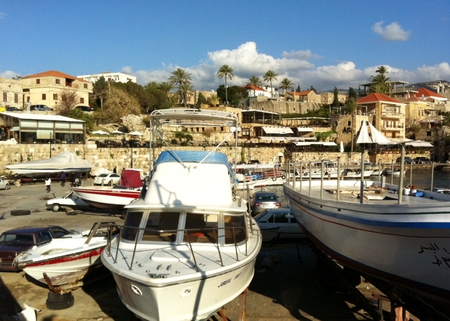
column 278, row 130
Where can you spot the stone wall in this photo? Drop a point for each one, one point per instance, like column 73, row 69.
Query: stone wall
column 141, row 157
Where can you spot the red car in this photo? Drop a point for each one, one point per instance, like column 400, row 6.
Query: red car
column 14, row 241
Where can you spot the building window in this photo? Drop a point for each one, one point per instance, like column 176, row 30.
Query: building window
column 44, row 97
column 5, row 96
column 57, row 81
column 16, row 98
column 85, row 86
column 81, row 100
column 55, row 96
column 38, row 81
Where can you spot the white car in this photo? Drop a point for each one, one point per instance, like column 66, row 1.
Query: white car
column 283, row 218
column 70, row 200
column 4, row 184
column 107, row 179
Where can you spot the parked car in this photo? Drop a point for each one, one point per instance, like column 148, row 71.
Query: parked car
column 107, row 179
column 71, row 200
column 264, row 200
column 283, row 218
column 112, row 143
column 13, row 109
column 85, row 108
column 40, row 108
column 14, row 241
column 408, row 160
column 422, row 160
column 4, row 184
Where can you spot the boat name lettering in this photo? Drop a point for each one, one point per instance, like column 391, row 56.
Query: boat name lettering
column 224, row 283
column 237, row 275
column 438, row 259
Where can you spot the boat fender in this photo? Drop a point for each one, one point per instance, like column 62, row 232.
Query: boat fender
column 326, row 173
column 274, row 178
column 358, row 171
column 283, row 177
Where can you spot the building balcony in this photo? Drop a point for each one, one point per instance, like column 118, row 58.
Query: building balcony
column 392, row 115
column 392, row 128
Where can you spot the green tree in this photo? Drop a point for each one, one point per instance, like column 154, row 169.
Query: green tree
column 183, row 137
column 270, row 76
column 185, row 88
column 235, row 94
column 285, row 84
column 254, row 82
column 100, row 90
column 225, row 72
column 180, row 77
column 380, row 82
column 336, row 102
column 352, row 106
column 214, row 100
column 313, row 89
column 86, row 117
column 352, row 93
column 201, row 100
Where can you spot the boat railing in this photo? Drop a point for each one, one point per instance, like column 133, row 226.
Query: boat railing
column 232, row 236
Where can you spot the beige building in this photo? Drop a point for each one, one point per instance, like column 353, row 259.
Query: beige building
column 46, row 88
column 11, row 93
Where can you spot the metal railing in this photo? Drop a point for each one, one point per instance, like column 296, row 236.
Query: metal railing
column 189, row 235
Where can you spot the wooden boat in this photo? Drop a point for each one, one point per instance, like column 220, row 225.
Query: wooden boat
column 189, row 246
column 65, row 261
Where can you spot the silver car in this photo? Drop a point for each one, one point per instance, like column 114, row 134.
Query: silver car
column 283, row 218
column 107, row 179
column 264, row 200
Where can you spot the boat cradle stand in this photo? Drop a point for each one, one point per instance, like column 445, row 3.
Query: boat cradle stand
column 60, row 297
column 242, row 308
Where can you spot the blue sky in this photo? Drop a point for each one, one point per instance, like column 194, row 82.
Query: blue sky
column 324, row 44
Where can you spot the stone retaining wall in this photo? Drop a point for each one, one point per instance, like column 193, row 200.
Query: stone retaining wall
column 141, row 157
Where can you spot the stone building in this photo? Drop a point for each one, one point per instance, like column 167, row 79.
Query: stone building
column 11, row 93
column 46, row 88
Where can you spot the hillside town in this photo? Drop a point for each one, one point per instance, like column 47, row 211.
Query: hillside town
column 52, row 107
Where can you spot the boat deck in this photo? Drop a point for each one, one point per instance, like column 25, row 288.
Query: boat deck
column 349, row 192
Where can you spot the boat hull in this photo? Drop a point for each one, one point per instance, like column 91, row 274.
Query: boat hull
column 196, row 299
column 106, row 197
column 404, row 246
column 64, row 261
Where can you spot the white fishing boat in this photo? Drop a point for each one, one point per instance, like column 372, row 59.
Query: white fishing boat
column 400, row 237
column 190, row 245
column 108, row 197
column 258, row 175
column 65, row 261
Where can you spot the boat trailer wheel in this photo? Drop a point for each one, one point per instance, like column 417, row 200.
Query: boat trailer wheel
column 57, row 301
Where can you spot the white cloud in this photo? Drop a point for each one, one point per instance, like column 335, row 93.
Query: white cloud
column 300, row 54
column 246, row 61
column 392, row 32
column 8, row 74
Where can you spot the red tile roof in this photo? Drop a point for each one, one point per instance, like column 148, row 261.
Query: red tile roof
column 424, row 92
column 51, row 73
column 251, row 87
column 376, row 97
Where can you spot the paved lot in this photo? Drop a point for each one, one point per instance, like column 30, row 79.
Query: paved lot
column 290, row 290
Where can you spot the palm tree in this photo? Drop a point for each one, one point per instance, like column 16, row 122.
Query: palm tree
column 225, row 72
column 165, row 86
column 285, row 84
column 254, row 82
column 180, row 77
column 268, row 77
column 380, row 82
column 184, row 89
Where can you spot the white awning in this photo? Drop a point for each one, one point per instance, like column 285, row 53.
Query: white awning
column 278, row 130
column 315, row 143
column 304, row 129
column 300, row 138
column 419, row 143
column 272, row 138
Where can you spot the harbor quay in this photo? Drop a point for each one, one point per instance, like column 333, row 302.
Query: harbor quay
column 288, row 283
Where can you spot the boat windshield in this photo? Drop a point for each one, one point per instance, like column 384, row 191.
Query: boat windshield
column 198, row 227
